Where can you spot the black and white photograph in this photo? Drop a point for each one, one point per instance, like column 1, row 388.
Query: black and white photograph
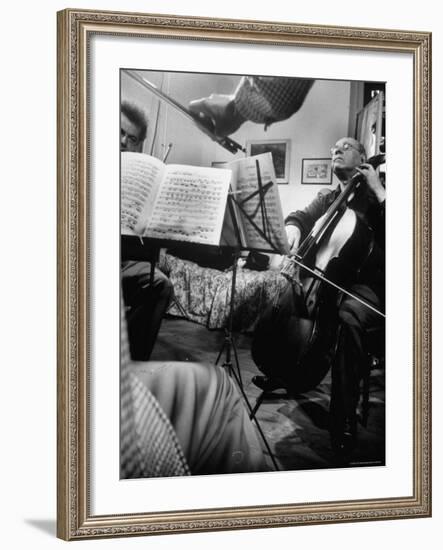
column 243, row 325
column 222, row 245
column 252, row 313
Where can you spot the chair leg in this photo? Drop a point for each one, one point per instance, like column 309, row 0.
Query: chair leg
column 365, row 394
column 174, row 301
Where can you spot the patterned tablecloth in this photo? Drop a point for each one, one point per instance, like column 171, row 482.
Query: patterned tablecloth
column 204, row 293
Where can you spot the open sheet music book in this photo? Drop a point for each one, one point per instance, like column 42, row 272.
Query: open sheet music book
column 190, row 203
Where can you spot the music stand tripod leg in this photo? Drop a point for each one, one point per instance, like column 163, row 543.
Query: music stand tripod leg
column 220, row 352
column 252, row 416
column 252, row 412
column 237, row 362
column 229, row 343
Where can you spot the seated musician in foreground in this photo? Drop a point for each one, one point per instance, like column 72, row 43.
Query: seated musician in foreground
column 146, row 300
column 354, row 317
column 183, row 418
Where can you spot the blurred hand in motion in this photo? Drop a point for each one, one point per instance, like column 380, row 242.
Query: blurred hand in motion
column 217, row 113
column 293, row 233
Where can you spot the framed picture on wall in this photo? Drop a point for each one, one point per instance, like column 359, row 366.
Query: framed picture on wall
column 316, row 171
column 279, row 149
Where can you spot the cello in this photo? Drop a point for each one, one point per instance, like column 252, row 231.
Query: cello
column 296, row 337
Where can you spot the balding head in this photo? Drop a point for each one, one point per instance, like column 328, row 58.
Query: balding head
column 347, row 154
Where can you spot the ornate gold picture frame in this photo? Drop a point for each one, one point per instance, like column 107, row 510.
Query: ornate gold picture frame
column 77, row 518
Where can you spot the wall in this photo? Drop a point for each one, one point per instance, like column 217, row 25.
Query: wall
column 28, row 228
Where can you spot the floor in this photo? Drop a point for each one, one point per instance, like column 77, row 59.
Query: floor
column 296, row 429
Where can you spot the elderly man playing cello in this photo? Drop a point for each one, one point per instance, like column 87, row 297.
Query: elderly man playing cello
column 267, row 100
column 356, row 311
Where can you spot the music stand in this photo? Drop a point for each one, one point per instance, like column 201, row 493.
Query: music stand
column 229, row 343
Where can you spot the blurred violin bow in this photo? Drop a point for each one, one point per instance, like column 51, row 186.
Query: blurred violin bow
column 204, row 124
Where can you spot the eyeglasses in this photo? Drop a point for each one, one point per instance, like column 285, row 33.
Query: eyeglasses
column 132, row 139
column 345, row 147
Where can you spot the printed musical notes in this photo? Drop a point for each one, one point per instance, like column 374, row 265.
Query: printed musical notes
column 190, row 205
column 139, row 181
column 260, row 213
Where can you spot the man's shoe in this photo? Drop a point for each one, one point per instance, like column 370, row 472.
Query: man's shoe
column 268, row 384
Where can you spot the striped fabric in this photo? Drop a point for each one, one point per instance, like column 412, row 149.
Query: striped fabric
column 266, row 99
column 148, row 444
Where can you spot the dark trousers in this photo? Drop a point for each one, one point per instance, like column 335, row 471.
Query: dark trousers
column 146, row 304
column 351, row 358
